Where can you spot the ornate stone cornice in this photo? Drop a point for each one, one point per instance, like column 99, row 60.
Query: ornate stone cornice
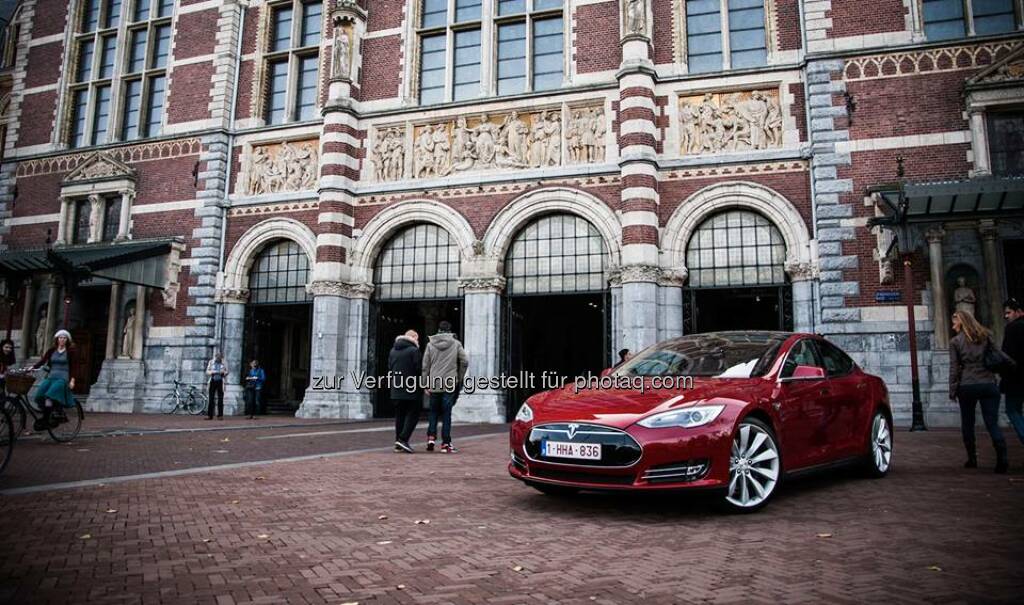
column 988, row 229
column 801, row 270
column 640, row 273
column 673, row 277
column 232, row 295
column 339, row 288
column 493, row 284
column 935, row 234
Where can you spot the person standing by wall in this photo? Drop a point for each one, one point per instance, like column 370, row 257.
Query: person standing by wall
column 971, row 383
column 1012, row 384
column 254, row 389
column 216, row 370
column 444, row 368
column 404, row 365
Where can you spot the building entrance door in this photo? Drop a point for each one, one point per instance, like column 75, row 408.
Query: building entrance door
column 757, row 308
column 1013, row 256
column 278, row 336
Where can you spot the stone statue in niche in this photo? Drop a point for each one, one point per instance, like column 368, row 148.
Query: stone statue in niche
column 636, row 17
column 289, row 166
column 735, row 121
column 963, row 297
column 40, row 336
column 128, row 333
column 341, row 57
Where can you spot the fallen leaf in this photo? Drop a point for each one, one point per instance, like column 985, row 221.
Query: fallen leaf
column 400, row 587
column 824, row 535
column 351, row 603
column 85, row 536
column 82, row 449
column 225, row 440
column 934, row 568
column 220, row 451
column 234, row 501
column 259, row 478
column 111, row 510
column 263, row 536
column 422, row 521
column 593, row 598
column 517, row 568
column 382, row 517
column 207, row 540
column 383, row 542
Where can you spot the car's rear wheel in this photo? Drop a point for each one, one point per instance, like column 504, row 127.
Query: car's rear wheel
column 559, row 491
column 754, row 467
column 879, row 455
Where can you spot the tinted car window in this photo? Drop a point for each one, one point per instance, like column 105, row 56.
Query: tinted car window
column 836, row 362
column 802, row 354
column 727, row 355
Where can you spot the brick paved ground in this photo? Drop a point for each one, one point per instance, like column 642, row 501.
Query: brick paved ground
column 310, row 532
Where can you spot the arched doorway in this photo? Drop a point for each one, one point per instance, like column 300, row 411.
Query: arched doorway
column 556, row 317
column 415, row 279
column 737, row 278
column 278, row 323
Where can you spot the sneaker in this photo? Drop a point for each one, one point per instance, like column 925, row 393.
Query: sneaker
column 405, row 447
column 449, row 449
column 398, row 447
column 430, row 445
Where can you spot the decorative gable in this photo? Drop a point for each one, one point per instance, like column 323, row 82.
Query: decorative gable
column 100, row 166
column 1007, row 71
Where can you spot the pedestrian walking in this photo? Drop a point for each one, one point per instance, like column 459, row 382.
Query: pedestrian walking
column 56, row 388
column 254, row 380
column 216, row 369
column 971, row 383
column 405, row 362
column 1012, row 383
column 444, row 368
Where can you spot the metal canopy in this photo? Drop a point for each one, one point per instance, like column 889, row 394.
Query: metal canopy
column 992, row 197
column 142, row 262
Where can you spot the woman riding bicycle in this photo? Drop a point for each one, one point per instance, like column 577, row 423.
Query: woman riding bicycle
column 55, row 389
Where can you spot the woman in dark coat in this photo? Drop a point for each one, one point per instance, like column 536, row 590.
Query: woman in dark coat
column 971, row 383
column 7, row 359
column 55, row 389
column 405, row 363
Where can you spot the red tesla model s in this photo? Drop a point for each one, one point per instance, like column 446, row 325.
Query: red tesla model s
column 731, row 411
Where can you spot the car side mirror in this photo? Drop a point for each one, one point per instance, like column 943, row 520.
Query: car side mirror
column 606, row 371
column 804, row 373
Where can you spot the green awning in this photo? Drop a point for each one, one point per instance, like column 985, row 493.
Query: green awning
column 141, row 262
column 989, row 197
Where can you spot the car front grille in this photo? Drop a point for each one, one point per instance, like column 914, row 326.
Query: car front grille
column 570, row 477
column 677, row 472
column 618, row 448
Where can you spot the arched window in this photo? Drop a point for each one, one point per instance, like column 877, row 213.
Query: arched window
column 557, row 253
column 419, row 262
column 279, row 275
column 736, row 248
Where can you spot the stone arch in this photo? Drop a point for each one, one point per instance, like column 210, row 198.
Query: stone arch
column 743, row 194
column 548, row 200
column 389, row 221
column 252, row 242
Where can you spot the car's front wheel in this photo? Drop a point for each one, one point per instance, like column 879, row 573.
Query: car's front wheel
column 754, row 467
column 879, row 455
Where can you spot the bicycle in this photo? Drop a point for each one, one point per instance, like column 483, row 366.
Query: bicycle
column 65, row 422
column 7, row 437
column 184, row 397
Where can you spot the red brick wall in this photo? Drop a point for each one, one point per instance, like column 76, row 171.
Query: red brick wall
column 859, row 17
column 874, row 167
column 381, row 73
column 238, row 225
column 190, row 93
column 384, row 14
column 51, row 17
column 888, row 107
column 794, row 186
column 663, row 41
column 44, row 63
column 787, row 25
column 799, row 108
column 37, row 118
column 245, row 75
column 168, row 180
column 178, row 316
column 163, row 224
column 196, row 34
column 597, row 37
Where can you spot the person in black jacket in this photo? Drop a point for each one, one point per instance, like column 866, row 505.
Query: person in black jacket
column 1012, row 383
column 405, row 362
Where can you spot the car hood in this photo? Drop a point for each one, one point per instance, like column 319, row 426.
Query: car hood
column 621, row 408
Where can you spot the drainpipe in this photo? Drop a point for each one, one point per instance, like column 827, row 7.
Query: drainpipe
column 815, row 284
column 219, row 316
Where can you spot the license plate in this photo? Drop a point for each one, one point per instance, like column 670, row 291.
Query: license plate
column 580, row 451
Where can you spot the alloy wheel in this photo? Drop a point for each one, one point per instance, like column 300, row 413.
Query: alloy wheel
column 753, row 466
column 881, row 443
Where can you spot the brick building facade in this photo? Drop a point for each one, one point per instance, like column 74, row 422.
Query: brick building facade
column 559, row 178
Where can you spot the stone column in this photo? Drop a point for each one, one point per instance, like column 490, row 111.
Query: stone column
column 979, row 143
column 64, row 226
column 112, row 317
column 801, row 276
column 670, row 303
column 53, row 309
column 638, row 142
column 233, row 331
column 482, row 334
column 127, row 197
column 27, row 317
column 940, row 308
column 989, row 232
column 95, row 219
column 140, row 321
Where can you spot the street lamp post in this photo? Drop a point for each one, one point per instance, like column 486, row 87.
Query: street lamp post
column 903, row 239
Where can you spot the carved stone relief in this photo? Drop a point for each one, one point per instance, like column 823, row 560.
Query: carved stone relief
column 287, row 166
column 730, row 121
column 389, row 154
column 585, row 135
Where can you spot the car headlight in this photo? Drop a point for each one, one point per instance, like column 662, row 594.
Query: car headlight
column 525, row 414
column 687, row 418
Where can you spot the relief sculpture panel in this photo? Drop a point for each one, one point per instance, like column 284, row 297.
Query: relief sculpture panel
column 730, row 121
column 281, row 167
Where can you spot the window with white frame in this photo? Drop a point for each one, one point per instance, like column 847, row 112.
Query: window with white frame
column 1006, row 142
column 527, row 47
column 293, row 61
column 949, row 19
column 725, row 34
column 139, row 91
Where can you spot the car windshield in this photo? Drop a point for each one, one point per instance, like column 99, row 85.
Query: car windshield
column 722, row 355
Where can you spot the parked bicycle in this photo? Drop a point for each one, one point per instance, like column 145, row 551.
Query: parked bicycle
column 6, row 438
column 65, row 422
column 184, row 397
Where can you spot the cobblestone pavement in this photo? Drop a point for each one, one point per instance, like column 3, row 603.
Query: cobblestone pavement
column 354, row 528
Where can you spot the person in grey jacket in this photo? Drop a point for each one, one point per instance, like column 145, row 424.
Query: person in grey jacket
column 971, row 383
column 444, row 368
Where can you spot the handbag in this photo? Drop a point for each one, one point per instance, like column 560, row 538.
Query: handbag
column 996, row 361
